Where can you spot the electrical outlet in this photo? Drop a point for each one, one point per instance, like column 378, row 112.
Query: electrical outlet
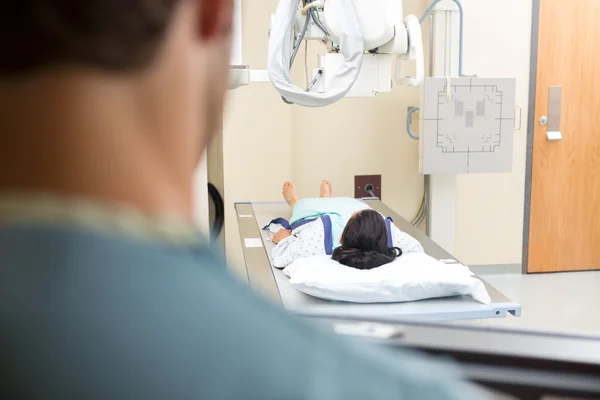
column 363, row 184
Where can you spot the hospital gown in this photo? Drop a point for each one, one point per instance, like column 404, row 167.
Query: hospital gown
column 307, row 241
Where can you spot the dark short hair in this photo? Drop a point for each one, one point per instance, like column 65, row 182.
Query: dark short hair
column 116, row 35
column 365, row 242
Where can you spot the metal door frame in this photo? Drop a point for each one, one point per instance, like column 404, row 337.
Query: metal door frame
column 535, row 15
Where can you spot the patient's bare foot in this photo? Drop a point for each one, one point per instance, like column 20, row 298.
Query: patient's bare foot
column 325, row 189
column 289, row 193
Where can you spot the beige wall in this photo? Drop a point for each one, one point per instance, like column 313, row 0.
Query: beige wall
column 256, row 132
column 266, row 142
column 490, row 207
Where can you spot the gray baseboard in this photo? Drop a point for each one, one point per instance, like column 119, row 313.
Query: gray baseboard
column 502, row 269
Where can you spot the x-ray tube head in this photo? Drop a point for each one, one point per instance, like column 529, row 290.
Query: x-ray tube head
column 360, row 37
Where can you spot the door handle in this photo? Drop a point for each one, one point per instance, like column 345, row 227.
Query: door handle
column 554, row 111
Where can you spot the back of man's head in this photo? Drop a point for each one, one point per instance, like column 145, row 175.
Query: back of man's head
column 109, row 76
column 112, row 35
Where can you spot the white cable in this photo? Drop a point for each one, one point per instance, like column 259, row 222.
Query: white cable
column 448, row 91
column 339, row 82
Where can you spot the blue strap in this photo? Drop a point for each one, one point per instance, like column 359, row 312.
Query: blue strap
column 301, row 222
column 281, row 221
column 328, row 234
column 388, row 224
column 286, row 225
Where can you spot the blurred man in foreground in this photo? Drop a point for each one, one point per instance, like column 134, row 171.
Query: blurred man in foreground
column 106, row 290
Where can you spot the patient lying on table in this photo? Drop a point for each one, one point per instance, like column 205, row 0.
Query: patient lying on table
column 345, row 228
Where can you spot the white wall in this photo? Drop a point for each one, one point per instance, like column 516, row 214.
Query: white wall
column 256, row 132
column 201, row 196
column 490, row 207
column 266, row 142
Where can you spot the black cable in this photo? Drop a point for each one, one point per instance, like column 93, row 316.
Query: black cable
column 314, row 81
column 425, row 209
column 421, row 206
column 318, row 22
column 219, row 221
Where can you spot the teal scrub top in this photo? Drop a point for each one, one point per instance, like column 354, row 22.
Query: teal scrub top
column 91, row 313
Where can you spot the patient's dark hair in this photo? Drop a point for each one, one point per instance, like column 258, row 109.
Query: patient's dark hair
column 365, row 242
column 116, row 35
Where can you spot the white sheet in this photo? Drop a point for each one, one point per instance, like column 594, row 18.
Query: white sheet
column 412, row 277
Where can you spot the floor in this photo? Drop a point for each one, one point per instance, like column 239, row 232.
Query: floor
column 563, row 302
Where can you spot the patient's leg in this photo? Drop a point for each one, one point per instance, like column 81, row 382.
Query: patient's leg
column 325, row 189
column 289, row 193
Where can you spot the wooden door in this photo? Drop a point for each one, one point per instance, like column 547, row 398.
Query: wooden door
column 564, row 225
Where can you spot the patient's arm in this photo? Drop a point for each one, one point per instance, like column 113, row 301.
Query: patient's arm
column 404, row 241
column 279, row 236
column 306, row 241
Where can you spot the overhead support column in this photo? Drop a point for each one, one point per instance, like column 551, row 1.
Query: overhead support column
column 441, row 217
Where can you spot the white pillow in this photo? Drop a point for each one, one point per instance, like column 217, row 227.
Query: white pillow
column 411, row 277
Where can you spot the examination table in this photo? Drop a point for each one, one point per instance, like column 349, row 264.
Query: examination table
column 252, row 217
column 521, row 363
